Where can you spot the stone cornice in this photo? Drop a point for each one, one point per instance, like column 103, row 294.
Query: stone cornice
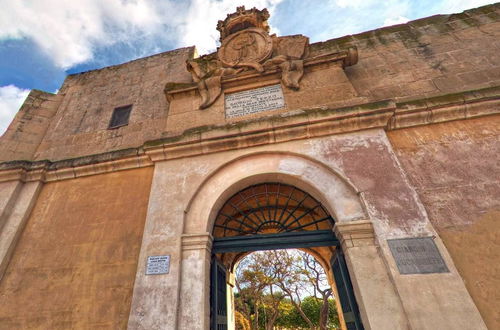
column 290, row 126
column 355, row 233
column 296, row 125
column 444, row 108
column 197, row 241
column 47, row 171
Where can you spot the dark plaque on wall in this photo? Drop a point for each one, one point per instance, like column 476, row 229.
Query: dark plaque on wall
column 417, row 256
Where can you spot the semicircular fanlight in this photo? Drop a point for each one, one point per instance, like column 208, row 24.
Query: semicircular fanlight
column 270, row 208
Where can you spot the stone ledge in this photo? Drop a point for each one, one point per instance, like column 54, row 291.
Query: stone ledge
column 297, row 125
column 442, row 108
column 43, row 171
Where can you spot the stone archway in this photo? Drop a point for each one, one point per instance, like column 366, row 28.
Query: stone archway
column 340, row 198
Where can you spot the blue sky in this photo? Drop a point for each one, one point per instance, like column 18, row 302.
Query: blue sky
column 41, row 41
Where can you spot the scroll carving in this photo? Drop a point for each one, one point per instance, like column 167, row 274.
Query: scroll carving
column 207, row 77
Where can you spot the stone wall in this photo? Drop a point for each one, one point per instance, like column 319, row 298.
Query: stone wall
column 80, row 126
column 435, row 55
column 74, row 265
column 28, row 128
column 356, row 176
column 454, row 167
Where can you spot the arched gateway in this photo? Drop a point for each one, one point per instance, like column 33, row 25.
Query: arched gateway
column 235, row 206
column 269, row 216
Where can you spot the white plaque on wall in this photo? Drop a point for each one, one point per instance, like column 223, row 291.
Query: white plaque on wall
column 158, row 265
column 254, row 100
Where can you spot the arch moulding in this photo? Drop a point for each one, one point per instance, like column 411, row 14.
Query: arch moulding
column 327, row 185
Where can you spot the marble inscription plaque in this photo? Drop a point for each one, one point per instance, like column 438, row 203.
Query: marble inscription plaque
column 158, row 265
column 253, row 101
column 417, row 256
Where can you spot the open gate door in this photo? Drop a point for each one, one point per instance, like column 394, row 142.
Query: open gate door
column 218, row 297
column 346, row 294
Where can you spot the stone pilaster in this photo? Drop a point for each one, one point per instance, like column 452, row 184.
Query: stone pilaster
column 379, row 304
column 195, row 281
column 18, row 199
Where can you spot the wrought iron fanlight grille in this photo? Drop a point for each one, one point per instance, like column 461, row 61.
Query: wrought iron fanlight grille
column 270, row 208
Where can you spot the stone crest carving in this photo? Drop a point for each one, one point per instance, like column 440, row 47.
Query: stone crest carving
column 248, row 50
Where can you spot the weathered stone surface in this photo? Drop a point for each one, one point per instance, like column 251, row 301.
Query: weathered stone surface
column 75, row 262
column 80, row 126
column 455, row 169
column 28, row 128
column 22, row 201
column 8, row 194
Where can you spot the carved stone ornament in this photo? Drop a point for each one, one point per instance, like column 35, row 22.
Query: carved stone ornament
column 247, row 50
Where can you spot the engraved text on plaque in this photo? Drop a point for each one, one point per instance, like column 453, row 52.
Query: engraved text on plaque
column 417, row 256
column 254, row 101
column 158, row 265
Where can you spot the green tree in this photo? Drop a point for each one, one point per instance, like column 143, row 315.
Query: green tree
column 290, row 318
column 256, row 291
column 284, row 289
column 312, row 308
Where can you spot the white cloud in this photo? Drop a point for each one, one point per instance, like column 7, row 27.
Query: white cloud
column 70, row 31
column 351, row 3
column 11, row 99
column 395, row 20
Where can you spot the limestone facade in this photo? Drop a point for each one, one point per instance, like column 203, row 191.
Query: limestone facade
column 395, row 131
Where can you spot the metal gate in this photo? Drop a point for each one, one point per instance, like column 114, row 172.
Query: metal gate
column 218, row 311
column 346, row 293
column 218, row 296
column 272, row 216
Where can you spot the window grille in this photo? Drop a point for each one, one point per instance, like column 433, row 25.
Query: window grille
column 120, row 116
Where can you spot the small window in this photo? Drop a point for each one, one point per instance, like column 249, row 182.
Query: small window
column 120, row 116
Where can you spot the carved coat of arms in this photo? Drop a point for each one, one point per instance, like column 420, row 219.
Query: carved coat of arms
column 246, row 49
